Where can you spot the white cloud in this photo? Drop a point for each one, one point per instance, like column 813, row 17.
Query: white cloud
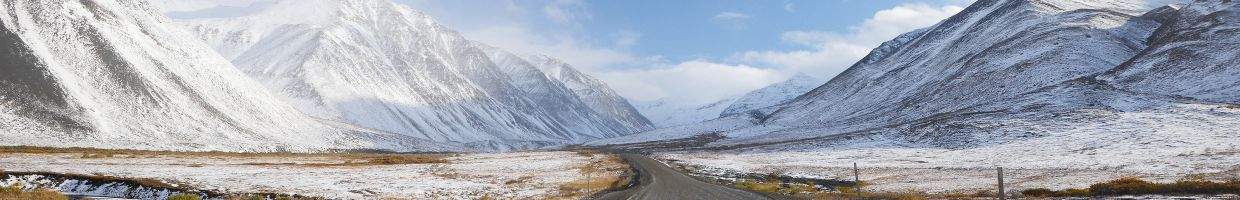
column 566, row 11
column 513, row 26
column 833, row 52
column 732, row 20
column 627, row 38
column 789, row 7
column 692, row 82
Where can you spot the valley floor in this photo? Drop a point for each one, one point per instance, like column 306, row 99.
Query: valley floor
column 965, row 171
column 524, row 175
column 1066, row 150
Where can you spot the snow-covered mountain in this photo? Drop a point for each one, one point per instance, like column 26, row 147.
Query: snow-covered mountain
column 665, row 113
column 117, row 74
column 381, row 65
column 593, row 92
column 1022, row 70
column 669, row 113
column 774, row 94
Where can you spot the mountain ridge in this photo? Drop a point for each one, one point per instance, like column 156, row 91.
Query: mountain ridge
column 407, row 74
column 116, row 74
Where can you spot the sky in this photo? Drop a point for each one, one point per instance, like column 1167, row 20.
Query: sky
column 691, row 51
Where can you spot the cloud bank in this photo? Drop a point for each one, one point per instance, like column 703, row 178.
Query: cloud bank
column 830, row 53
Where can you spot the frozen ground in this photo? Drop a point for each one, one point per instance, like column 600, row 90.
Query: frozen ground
column 528, row 175
column 1073, row 149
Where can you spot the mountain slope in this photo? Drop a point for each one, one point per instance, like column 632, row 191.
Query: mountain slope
column 116, row 74
column 1179, row 83
column 1020, row 70
column 990, row 52
column 666, row 113
column 593, row 92
column 380, row 65
column 1191, row 56
column 669, row 114
column 771, row 95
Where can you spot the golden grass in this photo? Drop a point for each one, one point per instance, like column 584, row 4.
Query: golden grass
column 599, row 175
column 759, row 186
column 15, row 192
column 775, row 187
column 1189, row 185
column 519, row 180
column 184, row 197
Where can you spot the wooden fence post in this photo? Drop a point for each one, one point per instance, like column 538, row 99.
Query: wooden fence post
column 856, row 177
column 1002, row 192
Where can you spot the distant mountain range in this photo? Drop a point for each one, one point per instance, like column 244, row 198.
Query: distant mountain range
column 368, row 74
column 321, row 75
column 381, row 65
column 666, row 113
column 1010, row 69
column 116, row 74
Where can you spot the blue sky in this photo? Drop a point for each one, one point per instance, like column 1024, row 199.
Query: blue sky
column 685, row 51
column 691, row 51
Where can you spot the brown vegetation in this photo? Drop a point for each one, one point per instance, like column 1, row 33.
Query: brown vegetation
column 600, row 175
column 1135, row 186
column 184, row 197
column 16, row 192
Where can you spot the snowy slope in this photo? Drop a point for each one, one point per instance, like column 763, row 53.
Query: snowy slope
column 593, row 92
column 117, row 74
column 1016, row 60
column 1193, row 55
column 380, row 65
column 1166, row 111
column 665, row 113
column 1183, row 82
column 772, row 95
column 991, row 51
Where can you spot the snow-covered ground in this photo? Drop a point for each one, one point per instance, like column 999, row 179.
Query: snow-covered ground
column 1069, row 150
column 527, row 175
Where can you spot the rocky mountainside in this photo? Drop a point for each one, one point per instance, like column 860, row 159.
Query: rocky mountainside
column 380, row 65
column 117, row 74
column 1023, row 70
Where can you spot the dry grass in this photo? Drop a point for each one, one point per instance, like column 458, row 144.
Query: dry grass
column 270, row 197
column 1190, row 185
column 96, row 155
column 599, row 175
column 774, row 187
column 184, row 197
column 520, row 180
column 373, row 160
column 16, row 192
column 768, row 187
